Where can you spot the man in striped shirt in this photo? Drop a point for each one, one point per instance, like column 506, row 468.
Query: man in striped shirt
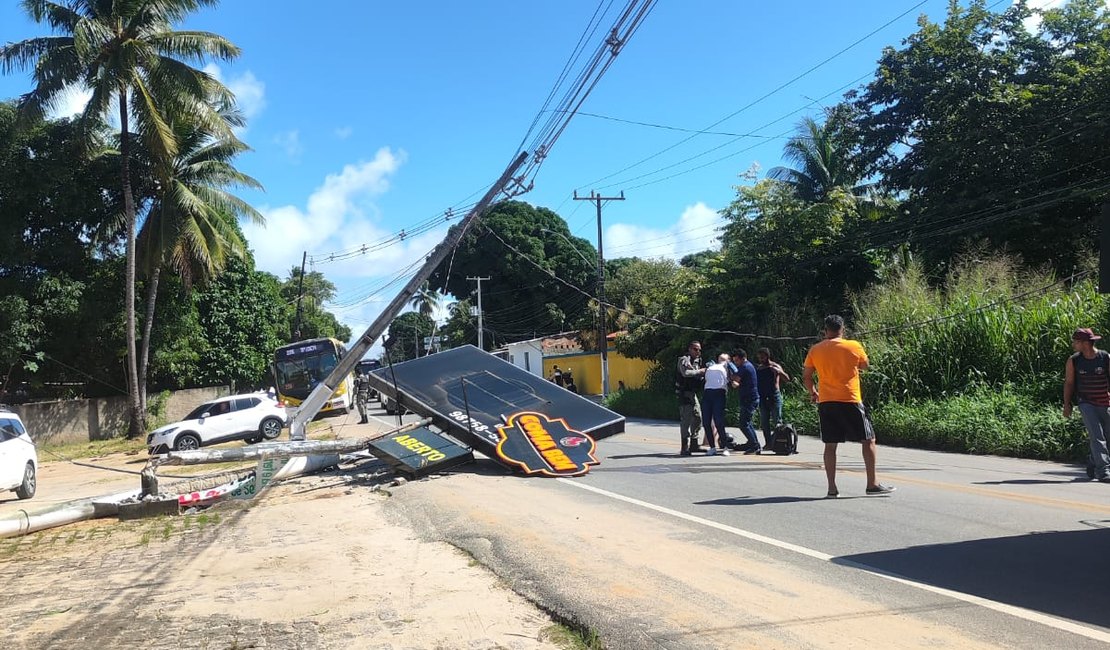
column 1087, row 376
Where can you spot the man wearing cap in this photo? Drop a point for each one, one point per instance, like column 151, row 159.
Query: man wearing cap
column 1087, row 376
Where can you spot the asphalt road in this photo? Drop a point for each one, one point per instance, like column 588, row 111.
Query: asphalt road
column 969, row 551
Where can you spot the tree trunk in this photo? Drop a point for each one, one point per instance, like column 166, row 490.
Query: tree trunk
column 135, row 417
column 148, row 325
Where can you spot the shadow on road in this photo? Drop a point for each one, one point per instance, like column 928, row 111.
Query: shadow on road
column 755, row 501
column 1059, row 573
column 1033, row 481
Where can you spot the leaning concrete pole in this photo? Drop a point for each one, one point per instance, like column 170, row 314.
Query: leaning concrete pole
column 323, row 391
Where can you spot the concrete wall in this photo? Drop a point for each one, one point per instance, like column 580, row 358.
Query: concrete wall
column 83, row 420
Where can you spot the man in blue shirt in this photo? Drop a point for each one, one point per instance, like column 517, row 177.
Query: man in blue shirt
column 748, row 392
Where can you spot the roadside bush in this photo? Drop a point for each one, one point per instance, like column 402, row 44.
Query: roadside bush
column 649, row 403
column 988, row 421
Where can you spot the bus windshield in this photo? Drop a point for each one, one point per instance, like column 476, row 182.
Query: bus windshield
column 299, row 369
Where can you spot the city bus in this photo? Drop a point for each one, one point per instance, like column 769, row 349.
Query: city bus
column 299, row 367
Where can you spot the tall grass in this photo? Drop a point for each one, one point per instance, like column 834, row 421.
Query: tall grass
column 989, row 332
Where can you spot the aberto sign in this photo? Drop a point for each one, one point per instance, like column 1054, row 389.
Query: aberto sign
column 538, row 444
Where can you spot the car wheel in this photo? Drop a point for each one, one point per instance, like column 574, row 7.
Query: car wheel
column 187, row 442
column 270, row 428
column 26, row 489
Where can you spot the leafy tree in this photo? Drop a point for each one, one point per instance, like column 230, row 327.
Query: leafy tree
column 989, row 131
column 406, row 331
column 522, row 301
column 242, row 316
column 129, row 54
column 315, row 321
column 651, row 292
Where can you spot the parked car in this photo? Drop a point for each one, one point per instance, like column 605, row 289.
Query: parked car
column 19, row 461
column 252, row 417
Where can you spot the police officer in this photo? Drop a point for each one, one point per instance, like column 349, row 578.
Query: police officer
column 362, row 395
column 689, row 378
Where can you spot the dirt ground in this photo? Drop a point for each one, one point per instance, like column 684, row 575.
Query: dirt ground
column 312, row 564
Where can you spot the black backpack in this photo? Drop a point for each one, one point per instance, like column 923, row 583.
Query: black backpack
column 785, row 440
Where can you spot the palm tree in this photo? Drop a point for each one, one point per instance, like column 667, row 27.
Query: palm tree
column 823, row 162
column 426, row 301
column 190, row 228
column 133, row 61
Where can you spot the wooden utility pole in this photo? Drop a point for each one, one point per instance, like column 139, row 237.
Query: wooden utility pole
column 602, row 336
column 1104, row 251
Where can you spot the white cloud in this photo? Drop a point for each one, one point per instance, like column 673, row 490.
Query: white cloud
column 249, row 91
column 290, row 142
column 344, row 132
column 338, row 215
column 695, row 230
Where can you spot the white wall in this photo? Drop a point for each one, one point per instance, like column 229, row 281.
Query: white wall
column 527, row 355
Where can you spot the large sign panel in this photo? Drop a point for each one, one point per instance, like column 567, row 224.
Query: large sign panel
column 469, row 394
column 538, row 444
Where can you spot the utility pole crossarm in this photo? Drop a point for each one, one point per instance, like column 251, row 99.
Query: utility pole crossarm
column 323, row 391
column 602, row 335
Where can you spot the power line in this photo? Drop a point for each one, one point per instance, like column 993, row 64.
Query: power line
column 760, row 99
column 750, row 335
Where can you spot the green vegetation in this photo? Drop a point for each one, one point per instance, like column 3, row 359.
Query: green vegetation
column 569, row 638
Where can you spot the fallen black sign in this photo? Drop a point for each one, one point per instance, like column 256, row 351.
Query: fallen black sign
column 538, row 444
column 469, row 393
column 420, row 451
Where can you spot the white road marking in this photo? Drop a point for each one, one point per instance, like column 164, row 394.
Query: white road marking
column 1019, row 612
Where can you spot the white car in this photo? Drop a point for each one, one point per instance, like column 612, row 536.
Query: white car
column 19, row 462
column 252, row 417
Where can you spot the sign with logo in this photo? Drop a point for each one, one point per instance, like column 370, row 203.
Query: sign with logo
column 420, row 452
column 538, row 444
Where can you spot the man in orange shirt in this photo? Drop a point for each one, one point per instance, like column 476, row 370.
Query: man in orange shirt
column 837, row 362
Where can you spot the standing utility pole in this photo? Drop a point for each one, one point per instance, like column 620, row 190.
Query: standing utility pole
column 480, row 331
column 300, row 299
column 602, row 336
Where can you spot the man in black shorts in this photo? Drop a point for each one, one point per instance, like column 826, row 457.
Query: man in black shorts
column 837, row 362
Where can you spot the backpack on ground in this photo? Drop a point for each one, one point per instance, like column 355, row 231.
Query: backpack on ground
column 785, row 441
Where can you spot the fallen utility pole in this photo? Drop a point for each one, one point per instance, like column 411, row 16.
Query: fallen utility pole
column 324, row 390
column 279, row 449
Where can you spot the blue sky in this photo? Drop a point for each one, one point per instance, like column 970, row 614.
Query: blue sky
column 368, row 117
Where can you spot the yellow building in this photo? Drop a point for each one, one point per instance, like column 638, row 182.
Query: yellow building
column 585, row 367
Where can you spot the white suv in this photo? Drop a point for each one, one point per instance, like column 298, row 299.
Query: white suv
column 19, row 461
column 253, row 418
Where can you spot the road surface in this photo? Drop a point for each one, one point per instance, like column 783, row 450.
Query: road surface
column 651, row 549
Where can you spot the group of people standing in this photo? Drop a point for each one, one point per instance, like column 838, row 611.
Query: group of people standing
column 830, row 375
column 563, row 379
column 757, row 388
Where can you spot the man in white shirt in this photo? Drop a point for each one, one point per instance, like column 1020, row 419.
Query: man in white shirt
column 713, row 405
